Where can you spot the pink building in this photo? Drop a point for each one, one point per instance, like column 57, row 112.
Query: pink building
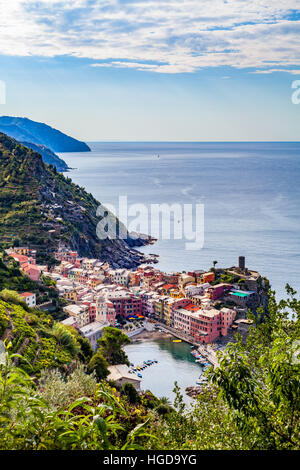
column 32, row 272
column 67, row 255
column 110, row 314
column 92, row 310
column 205, row 326
column 217, row 291
column 147, row 304
column 178, row 304
column 227, row 318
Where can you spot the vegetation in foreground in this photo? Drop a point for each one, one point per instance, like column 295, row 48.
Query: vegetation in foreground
column 253, row 401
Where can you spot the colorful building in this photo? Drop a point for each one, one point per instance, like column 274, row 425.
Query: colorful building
column 217, row 291
column 29, row 298
column 206, row 277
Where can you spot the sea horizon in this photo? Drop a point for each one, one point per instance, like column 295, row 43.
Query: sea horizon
column 193, row 141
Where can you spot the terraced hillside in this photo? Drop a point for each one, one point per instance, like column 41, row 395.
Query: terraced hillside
column 41, row 208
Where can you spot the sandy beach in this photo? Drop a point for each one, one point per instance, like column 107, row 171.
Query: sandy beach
column 149, row 336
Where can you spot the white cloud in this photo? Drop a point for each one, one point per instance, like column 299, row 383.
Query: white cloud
column 167, row 36
column 293, row 72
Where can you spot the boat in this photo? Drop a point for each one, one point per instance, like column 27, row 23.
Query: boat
column 201, row 380
column 140, row 376
column 177, row 341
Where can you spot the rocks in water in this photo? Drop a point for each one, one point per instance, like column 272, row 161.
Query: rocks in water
column 193, row 391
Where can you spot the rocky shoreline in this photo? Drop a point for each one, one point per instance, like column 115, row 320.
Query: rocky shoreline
column 193, row 391
column 121, row 254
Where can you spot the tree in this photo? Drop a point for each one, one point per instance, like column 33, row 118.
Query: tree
column 164, row 407
column 214, row 263
column 99, row 364
column 252, row 400
column 87, row 351
column 66, row 338
column 130, row 392
column 259, row 381
column 12, row 296
column 111, row 344
column 16, row 242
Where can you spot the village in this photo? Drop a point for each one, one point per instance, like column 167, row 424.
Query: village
column 192, row 306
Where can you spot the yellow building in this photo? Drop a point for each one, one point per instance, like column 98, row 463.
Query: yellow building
column 176, row 294
column 71, row 295
column 22, row 250
column 167, row 310
column 159, row 306
column 94, row 282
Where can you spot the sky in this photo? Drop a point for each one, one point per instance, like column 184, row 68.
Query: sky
column 187, row 70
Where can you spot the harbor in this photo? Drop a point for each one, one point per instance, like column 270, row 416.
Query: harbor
column 174, row 362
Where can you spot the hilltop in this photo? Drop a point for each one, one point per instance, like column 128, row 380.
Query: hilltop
column 26, row 130
column 41, row 208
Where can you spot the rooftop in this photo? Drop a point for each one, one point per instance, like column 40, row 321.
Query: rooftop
column 92, row 328
column 121, row 371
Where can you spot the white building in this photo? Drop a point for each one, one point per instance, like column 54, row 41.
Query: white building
column 121, row 276
column 29, row 298
column 120, row 374
column 70, row 321
column 92, row 332
column 80, row 312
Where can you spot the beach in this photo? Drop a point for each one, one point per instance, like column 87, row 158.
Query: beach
column 149, row 336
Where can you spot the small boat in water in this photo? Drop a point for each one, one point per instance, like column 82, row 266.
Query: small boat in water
column 140, row 376
column 177, row 341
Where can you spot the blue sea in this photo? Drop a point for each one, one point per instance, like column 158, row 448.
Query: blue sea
column 250, row 193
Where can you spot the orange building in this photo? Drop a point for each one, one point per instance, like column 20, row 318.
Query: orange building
column 207, row 277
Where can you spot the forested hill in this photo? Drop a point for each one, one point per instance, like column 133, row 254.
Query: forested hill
column 48, row 156
column 41, row 208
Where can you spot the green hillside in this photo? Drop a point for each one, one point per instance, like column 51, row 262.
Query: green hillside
column 40, row 208
column 42, row 342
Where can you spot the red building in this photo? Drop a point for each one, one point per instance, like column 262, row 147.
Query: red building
column 126, row 305
column 217, row 291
